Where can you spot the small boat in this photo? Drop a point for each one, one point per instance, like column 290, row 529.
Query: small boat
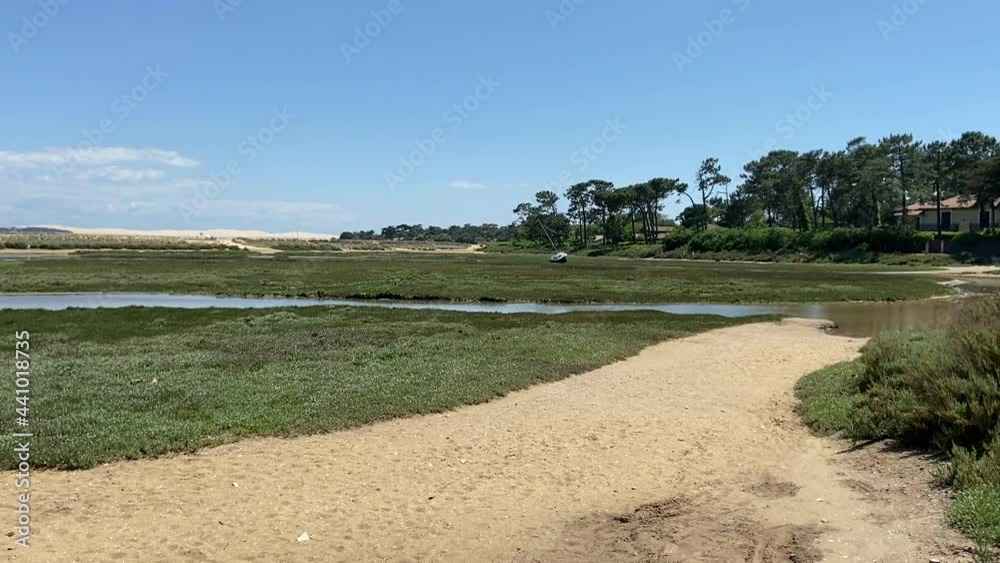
column 559, row 257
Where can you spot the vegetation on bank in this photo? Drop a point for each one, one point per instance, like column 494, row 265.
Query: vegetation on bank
column 133, row 383
column 516, row 247
column 345, row 245
column 762, row 240
column 63, row 241
column 637, row 250
column 853, row 245
column 936, row 390
column 464, row 277
column 32, row 231
column 921, row 261
column 462, row 234
column 788, row 255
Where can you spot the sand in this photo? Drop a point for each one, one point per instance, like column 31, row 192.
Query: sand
column 690, row 451
column 36, row 252
column 950, row 271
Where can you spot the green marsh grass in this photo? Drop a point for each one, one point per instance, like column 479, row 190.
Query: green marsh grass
column 137, row 382
column 466, row 277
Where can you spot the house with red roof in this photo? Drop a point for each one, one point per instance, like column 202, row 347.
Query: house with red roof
column 958, row 214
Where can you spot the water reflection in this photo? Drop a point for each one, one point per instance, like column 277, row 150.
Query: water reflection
column 853, row 319
column 869, row 319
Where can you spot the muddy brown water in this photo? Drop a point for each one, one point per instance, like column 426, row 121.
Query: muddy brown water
column 870, row 319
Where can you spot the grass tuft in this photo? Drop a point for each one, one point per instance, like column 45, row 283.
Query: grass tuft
column 828, row 399
column 976, row 513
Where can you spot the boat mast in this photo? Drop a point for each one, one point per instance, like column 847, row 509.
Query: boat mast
column 542, row 225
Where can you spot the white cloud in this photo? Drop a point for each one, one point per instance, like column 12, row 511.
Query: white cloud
column 189, row 183
column 105, row 187
column 121, row 174
column 93, row 156
column 94, row 178
column 466, row 185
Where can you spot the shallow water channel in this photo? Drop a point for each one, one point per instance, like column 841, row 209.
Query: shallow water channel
column 853, row 319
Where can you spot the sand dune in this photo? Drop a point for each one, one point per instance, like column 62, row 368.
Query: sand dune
column 191, row 234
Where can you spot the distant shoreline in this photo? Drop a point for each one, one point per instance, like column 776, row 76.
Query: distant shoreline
column 186, row 233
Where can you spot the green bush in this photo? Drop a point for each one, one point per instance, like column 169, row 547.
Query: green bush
column 837, row 240
column 678, row 238
column 982, row 244
column 940, row 389
column 970, row 468
column 961, row 385
column 967, row 239
column 892, row 405
column 898, row 240
column 780, row 240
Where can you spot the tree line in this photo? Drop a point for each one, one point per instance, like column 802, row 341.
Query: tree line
column 466, row 234
column 864, row 185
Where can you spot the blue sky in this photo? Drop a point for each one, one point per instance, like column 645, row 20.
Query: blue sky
column 279, row 116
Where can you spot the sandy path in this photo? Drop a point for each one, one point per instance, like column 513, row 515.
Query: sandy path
column 37, row 251
column 950, row 271
column 701, row 427
column 245, row 246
